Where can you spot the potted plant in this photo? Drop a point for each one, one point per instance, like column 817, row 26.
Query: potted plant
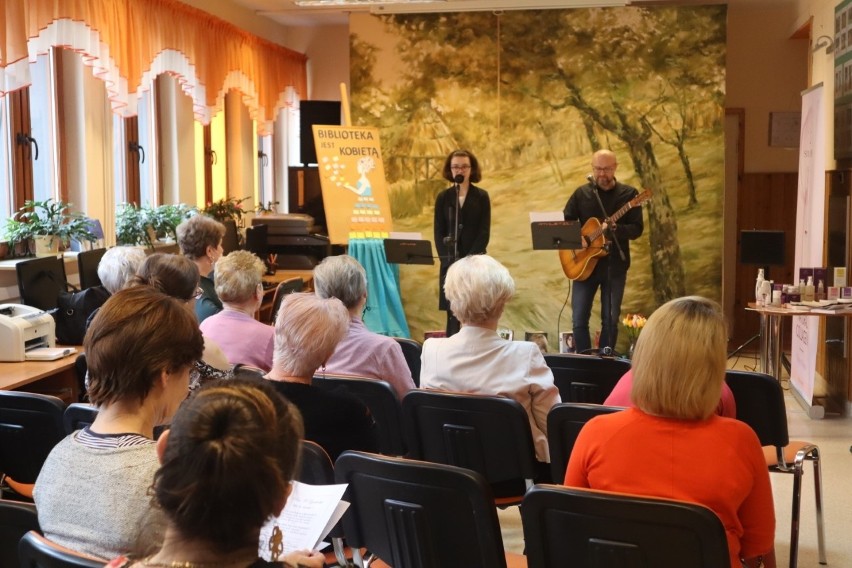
column 131, row 226
column 165, row 219
column 48, row 224
column 266, row 209
column 226, row 209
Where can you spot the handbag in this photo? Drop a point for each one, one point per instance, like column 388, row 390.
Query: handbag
column 73, row 311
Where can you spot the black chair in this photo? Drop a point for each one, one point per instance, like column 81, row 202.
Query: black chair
column 81, row 370
column 411, row 350
column 585, row 378
column 564, row 422
column 488, row 434
column 231, row 239
column 78, row 415
column 414, row 514
column 381, row 399
column 40, row 280
column 87, row 264
column 35, row 551
column 579, row 528
column 289, row 286
column 16, row 519
column 760, row 404
column 30, row 426
column 317, row 469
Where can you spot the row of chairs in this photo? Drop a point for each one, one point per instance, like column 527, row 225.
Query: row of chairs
column 411, row 513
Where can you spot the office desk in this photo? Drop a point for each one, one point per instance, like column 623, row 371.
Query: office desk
column 57, row 378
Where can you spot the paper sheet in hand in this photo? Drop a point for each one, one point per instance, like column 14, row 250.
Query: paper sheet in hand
column 310, row 513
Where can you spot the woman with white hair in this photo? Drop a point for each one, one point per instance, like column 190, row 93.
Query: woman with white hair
column 307, row 329
column 477, row 360
column 361, row 352
column 118, row 266
column 238, row 284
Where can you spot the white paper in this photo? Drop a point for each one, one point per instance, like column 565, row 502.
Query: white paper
column 406, row 236
column 49, row 353
column 546, row 216
column 310, row 513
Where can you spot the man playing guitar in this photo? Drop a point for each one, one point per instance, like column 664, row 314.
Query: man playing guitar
column 600, row 199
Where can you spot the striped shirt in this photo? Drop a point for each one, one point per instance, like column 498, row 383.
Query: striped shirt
column 97, row 441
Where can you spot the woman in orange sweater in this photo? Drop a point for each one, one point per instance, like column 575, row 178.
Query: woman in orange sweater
column 678, row 371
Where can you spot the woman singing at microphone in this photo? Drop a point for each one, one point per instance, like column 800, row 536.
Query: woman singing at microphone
column 465, row 233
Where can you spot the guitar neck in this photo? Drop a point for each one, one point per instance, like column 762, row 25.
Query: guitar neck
column 612, row 219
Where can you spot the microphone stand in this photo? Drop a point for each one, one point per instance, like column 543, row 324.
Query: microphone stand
column 608, row 323
column 456, row 223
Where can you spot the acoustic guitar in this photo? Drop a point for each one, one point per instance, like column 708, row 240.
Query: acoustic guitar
column 578, row 264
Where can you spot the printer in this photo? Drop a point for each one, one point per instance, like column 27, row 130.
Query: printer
column 22, row 329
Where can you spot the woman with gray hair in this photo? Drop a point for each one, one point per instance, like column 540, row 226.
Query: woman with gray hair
column 118, row 266
column 361, row 352
column 238, row 284
column 307, row 329
column 477, row 360
column 200, row 240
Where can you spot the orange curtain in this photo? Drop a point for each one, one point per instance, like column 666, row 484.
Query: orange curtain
column 129, row 42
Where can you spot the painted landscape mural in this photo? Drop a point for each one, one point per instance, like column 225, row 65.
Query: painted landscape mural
column 533, row 94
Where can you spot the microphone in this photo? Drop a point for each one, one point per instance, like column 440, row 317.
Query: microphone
column 458, row 179
column 591, row 179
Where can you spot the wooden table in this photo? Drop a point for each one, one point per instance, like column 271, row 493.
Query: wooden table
column 57, row 378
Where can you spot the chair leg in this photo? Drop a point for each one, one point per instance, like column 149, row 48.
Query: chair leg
column 794, row 515
column 818, row 498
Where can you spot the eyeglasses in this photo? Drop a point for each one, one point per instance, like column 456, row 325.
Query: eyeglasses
column 460, row 168
column 605, row 170
column 198, row 293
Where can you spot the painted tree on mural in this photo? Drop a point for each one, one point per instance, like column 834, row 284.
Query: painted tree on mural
column 629, row 77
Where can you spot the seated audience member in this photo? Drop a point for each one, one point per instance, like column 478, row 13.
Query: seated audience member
column 361, row 352
column 200, row 240
column 118, row 266
column 92, row 493
column 243, row 339
column 620, row 396
column 177, row 276
column 227, row 463
column 672, row 444
column 477, row 360
column 307, row 329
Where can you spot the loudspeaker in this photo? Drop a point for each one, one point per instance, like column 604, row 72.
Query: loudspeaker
column 763, row 248
column 310, row 113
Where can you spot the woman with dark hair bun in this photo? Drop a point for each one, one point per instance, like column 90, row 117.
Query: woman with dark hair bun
column 226, row 467
column 461, row 168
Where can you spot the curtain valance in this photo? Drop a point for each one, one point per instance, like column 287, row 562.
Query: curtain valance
column 129, row 42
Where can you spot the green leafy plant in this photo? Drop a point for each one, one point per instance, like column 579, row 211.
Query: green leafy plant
column 226, row 208
column 268, row 208
column 165, row 218
column 48, row 218
column 132, row 222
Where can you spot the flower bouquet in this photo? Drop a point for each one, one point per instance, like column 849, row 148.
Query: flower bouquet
column 634, row 324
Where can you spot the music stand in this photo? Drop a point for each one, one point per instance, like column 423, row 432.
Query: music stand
column 408, row 251
column 87, row 264
column 556, row 235
column 40, row 281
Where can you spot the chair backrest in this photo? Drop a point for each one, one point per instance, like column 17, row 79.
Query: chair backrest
column 760, row 404
column 488, row 434
column 317, row 468
column 585, row 378
column 35, row 551
column 40, row 280
column 286, row 287
column 411, row 350
column 415, row 514
column 16, row 519
column 78, row 415
column 87, row 264
column 564, row 422
column 579, row 528
column 81, row 369
column 30, row 425
column 381, row 399
column 231, row 240
column 256, row 237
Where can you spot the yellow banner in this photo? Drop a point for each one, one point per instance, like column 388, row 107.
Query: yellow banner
column 352, row 177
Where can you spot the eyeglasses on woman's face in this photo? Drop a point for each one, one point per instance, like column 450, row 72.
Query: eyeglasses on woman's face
column 460, row 167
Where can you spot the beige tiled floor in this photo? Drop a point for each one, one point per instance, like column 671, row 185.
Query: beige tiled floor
column 833, row 435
